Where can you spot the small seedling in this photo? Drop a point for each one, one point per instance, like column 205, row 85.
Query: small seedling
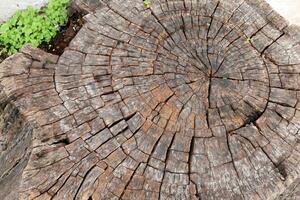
column 147, row 4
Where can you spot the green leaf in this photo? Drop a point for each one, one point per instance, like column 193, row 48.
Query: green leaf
column 147, row 3
column 4, row 28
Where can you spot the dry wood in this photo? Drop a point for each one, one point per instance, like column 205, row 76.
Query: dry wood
column 194, row 99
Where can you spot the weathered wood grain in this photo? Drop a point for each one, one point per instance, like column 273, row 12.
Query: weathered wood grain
column 188, row 99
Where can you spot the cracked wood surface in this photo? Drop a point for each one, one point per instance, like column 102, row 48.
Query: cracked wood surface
column 194, row 99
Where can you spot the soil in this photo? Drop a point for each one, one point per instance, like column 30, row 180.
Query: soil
column 2, row 57
column 65, row 35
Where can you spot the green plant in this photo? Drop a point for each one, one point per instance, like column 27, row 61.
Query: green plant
column 147, row 3
column 32, row 26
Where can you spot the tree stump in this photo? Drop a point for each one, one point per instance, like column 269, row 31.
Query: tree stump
column 193, row 99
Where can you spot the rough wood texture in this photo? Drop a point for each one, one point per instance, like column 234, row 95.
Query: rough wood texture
column 185, row 100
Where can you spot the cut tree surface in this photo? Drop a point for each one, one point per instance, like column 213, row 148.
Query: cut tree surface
column 184, row 100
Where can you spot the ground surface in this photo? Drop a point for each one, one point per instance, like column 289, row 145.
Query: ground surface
column 185, row 100
column 9, row 7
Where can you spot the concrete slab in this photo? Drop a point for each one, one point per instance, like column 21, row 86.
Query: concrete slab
column 9, row 7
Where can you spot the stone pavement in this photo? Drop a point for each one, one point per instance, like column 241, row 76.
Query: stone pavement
column 185, row 100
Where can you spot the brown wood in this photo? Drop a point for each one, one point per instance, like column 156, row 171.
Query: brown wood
column 194, row 99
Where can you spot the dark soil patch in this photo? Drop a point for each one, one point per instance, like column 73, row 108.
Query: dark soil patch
column 2, row 57
column 65, row 35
